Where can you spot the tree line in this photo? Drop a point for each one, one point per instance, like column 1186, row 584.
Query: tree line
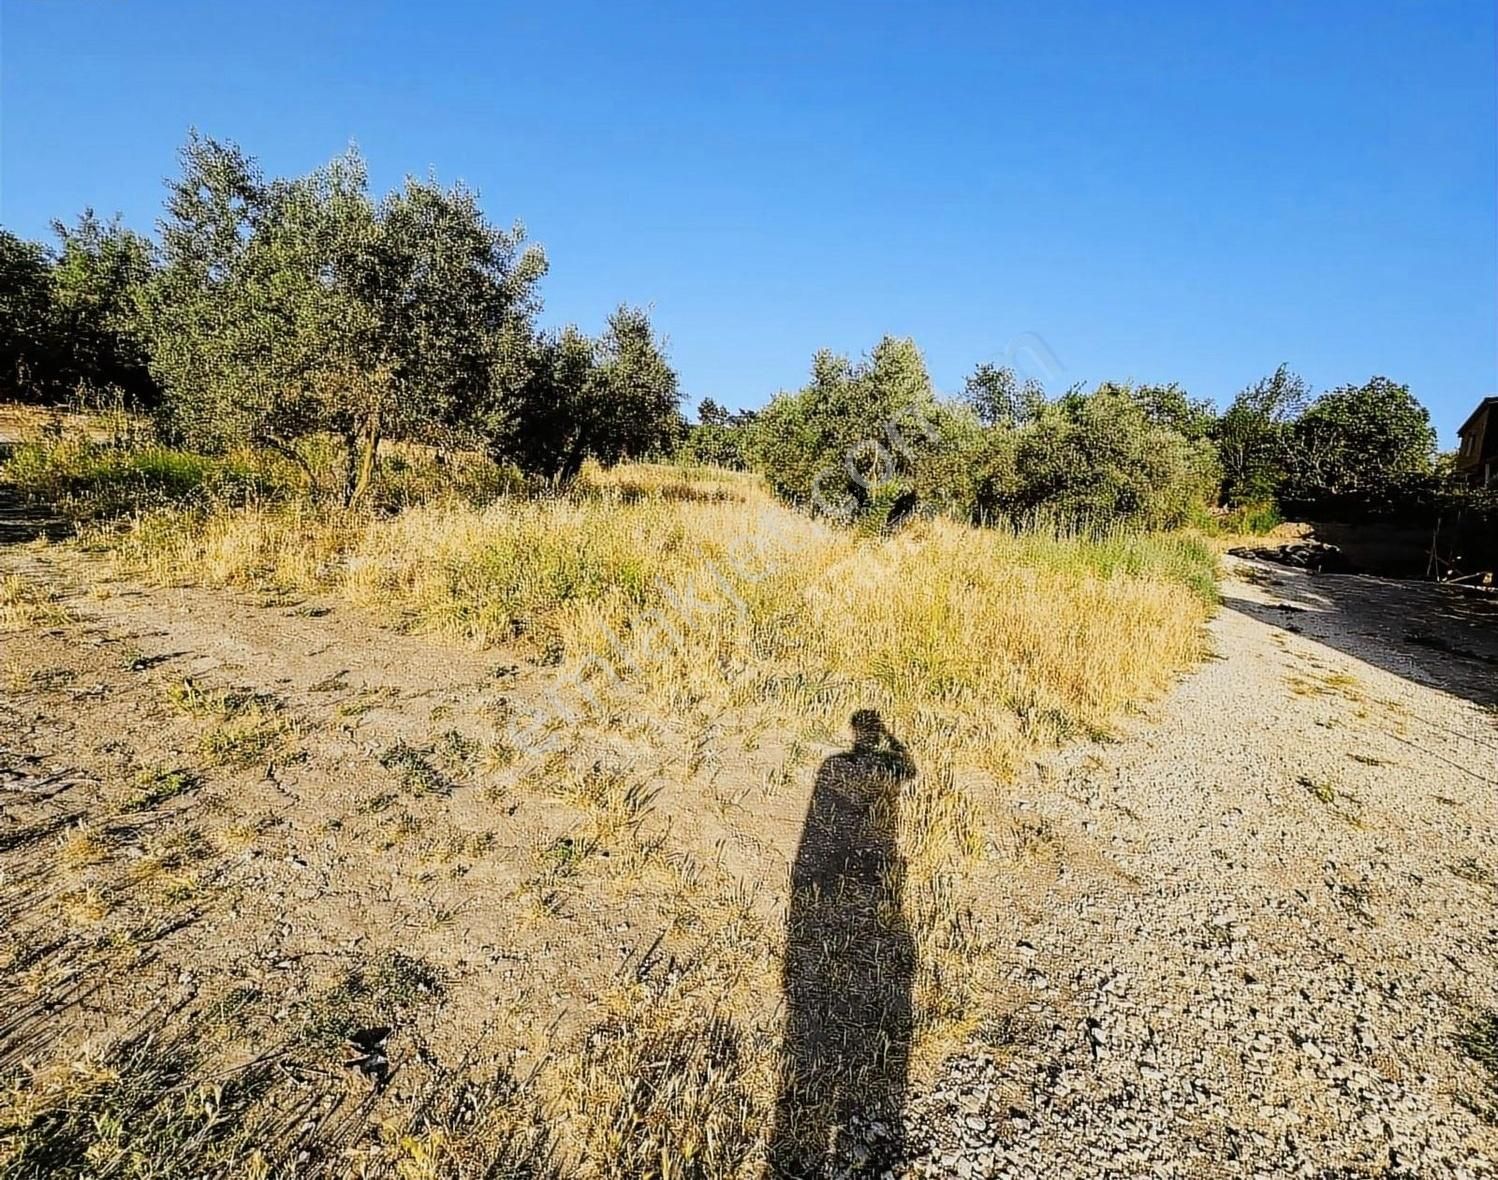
column 268, row 310
column 272, row 309
column 860, row 436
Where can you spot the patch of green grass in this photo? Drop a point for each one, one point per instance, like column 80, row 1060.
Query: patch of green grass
column 243, row 743
column 560, row 860
column 378, row 992
column 90, row 480
column 250, row 726
column 225, row 704
column 563, row 856
column 1172, row 557
column 156, row 786
column 1250, row 519
column 1319, row 789
column 412, row 770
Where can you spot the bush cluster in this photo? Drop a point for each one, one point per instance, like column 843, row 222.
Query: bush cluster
column 864, row 438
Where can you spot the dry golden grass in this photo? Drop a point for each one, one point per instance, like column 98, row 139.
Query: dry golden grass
column 667, row 1086
column 704, row 595
column 24, row 605
column 662, row 605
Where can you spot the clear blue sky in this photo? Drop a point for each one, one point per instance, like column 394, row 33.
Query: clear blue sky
column 1163, row 191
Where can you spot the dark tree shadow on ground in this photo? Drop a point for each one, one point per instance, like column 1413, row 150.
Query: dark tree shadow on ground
column 1428, row 633
column 21, row 521
column 849, row 961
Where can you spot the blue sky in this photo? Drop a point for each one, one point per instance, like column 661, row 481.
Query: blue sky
column 1158, row 191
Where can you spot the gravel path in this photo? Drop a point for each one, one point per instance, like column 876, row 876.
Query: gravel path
column 1280, row 957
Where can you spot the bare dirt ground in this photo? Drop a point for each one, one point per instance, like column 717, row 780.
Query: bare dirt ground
column 1255, row 935
column 427, row 854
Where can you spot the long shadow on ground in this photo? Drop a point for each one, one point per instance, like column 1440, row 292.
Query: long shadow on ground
column 849, row 961
column 1431, row 634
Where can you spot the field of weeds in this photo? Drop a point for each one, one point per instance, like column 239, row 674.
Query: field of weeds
column 653, row 829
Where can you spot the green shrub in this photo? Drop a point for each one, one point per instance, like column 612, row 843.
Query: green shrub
column 1120, row 551
column 1255, row 518
column 853, row 428
column 1090, row 459
column 1362, row 450
column 88, row 480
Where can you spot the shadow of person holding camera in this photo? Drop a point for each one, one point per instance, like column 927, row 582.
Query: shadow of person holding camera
column 849, row 963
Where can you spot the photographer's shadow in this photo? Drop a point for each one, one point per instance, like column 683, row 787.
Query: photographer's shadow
column 849, row 962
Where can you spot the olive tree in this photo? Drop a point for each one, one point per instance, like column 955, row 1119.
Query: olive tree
column 1255, row 438
column 1362, row 448
column 720, row 436
column 999, row 397
column 608, row 399
column 26, row 340
column 1172, row 407
column 293, row 306
column 1098, row 457
column 854, row 432
column 213, row 319
column 100, row 268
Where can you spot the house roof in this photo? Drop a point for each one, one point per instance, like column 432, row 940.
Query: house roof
column 1486, row 403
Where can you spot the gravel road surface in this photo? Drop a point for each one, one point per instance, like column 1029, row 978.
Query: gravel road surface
column 1284, row 960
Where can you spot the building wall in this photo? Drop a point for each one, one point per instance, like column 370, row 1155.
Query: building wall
column 1478, row 454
